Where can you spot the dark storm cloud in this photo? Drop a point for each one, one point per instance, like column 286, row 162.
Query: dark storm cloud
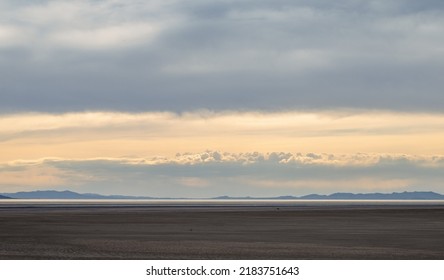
column 181, row 56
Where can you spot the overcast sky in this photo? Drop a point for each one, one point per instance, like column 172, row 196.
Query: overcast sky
column 186, row 55
column 89, row 86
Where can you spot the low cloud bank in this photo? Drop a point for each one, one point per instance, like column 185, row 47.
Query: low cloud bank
column 216, row 173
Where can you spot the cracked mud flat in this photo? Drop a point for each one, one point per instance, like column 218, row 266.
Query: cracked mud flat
column 229, row 233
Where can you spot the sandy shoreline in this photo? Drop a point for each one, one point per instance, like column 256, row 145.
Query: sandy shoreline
column 358, row 232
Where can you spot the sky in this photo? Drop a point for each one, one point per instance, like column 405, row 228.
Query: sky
column 197, row 98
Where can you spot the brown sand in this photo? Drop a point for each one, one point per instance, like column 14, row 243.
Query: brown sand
column 235, row 233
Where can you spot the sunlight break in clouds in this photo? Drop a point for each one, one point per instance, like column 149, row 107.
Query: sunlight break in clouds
column 161, row 153
column 106, row 37
column 110, row 134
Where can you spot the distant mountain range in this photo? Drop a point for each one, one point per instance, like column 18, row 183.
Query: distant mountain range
column 379, row 196
column 66, row 195
column 369, row 196
column 50, row 194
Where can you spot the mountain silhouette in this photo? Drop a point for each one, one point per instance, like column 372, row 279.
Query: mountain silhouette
column 368, row 196
column 50, row 194
column 377, row 196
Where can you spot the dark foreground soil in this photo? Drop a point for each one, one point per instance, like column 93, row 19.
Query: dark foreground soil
column 247, row 233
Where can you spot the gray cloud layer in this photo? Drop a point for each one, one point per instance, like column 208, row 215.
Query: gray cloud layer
column 180, row 56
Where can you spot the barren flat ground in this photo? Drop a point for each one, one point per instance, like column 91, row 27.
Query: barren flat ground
column 222, row 233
